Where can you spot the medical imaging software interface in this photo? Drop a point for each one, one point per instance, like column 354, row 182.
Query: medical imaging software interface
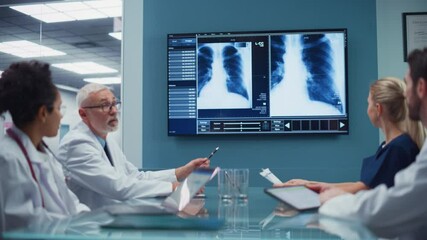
column 258, row 82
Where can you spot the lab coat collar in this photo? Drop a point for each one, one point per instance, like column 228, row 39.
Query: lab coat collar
column 101, row 141
column 86, row 128
column 33, row 153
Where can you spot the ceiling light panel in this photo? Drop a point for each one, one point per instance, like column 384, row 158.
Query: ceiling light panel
column 72, row 11
column 86, row 14
column 85, row 67
column 27, row 49
column 68, row 6
column 104, row 80
column 34, row 9
column 53, row 17
column 104, row 3
column 111, row 12
column 116, row 35
column 66, row 88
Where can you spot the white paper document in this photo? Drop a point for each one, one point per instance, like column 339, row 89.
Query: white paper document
column 269, row 176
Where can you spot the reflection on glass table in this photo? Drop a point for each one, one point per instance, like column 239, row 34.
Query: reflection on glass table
column 84, row 225
column 285, row 222
column 257, row 217
column 236, row 216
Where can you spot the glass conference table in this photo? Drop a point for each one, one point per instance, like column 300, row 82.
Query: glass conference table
column 258, row 217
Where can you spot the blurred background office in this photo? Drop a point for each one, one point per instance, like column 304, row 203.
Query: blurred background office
column 80, row 39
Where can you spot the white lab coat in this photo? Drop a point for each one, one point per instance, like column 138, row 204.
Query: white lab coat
column 20, row 193
column 397, row 211
column 96, row 182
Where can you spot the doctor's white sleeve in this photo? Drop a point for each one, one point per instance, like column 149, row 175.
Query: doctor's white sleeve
column 80, row 207
column 396, row 210
column 162, row 175
column 90, row 170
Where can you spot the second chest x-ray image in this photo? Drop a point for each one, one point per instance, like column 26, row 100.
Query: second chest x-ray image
column 224, row 75
column 306, row 75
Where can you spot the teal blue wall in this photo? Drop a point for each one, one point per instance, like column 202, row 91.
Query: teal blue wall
column 317, row 157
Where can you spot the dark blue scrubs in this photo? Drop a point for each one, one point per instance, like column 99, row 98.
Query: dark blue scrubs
column 387, row 161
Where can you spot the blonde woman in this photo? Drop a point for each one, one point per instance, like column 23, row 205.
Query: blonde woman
column 387, row 111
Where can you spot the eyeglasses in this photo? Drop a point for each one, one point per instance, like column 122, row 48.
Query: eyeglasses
column 107, row 107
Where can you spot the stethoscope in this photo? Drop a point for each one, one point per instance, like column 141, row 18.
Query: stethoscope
column 66, row 171
column 15, row 137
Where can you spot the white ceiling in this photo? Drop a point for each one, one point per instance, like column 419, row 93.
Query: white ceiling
column 86, row 40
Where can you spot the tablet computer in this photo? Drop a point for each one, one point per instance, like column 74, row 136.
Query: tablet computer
column 298, row 197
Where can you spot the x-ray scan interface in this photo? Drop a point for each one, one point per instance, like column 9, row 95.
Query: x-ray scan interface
column 277, row 82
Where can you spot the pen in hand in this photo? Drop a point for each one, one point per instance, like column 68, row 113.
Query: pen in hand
column 212, row 153
column 201, row 194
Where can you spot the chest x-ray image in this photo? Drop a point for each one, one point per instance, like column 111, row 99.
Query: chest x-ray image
column 224, row 75
column 307, row 75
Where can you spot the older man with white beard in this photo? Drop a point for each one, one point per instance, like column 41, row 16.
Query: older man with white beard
column 100, row 173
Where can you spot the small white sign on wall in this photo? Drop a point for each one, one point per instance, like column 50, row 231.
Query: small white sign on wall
column 414, row 32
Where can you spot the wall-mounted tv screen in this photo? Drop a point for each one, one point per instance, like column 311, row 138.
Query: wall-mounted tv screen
column 275, row 82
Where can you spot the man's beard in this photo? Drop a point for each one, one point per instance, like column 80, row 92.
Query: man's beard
column 414, row 109
column 111, row 128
